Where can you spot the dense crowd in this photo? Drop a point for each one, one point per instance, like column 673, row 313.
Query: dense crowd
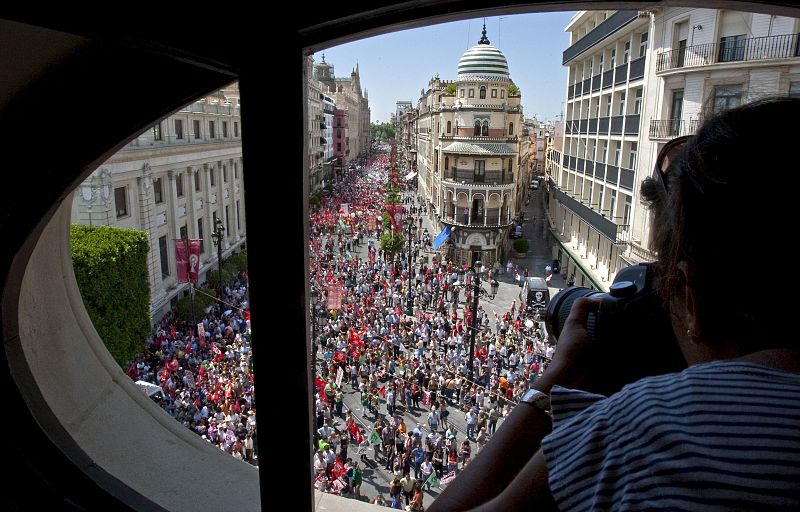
column 398, row 335
column 205, row 374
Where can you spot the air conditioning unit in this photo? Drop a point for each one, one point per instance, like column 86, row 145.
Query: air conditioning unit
column 643, row 14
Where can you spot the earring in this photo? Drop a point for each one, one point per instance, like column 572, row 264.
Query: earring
column 689, row 332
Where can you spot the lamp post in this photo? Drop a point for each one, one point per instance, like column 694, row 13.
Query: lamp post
column 409, row 300
column 477, row 290
column 314, row 302
column 217, row 236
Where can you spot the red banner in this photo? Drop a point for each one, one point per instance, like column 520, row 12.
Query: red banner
column 187, row 261
column 395, row 212
column 334, row 296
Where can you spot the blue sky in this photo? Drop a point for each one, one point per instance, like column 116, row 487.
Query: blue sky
column 397, row 66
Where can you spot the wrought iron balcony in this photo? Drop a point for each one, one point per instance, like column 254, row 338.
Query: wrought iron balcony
column 671, row 128
column 749, row 49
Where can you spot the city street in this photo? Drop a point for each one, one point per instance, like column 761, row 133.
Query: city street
column 378, row 480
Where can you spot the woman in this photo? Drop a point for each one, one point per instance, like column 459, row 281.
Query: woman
column 720, row 434
column 416, row 501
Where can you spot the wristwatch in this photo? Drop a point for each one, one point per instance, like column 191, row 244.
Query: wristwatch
column 537, row 399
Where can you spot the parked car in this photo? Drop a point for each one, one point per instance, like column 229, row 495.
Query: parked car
column 517, row 232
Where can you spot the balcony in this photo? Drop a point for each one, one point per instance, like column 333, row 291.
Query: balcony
column 608, row 79
column 494, row 218
column 596, row 82
column 637, row 68
column 632, row 124
column 621, row 74
column 605, row 226
column 205, row 108
column 612, row 174
column 750, row 49
column 666, row 129
column 626, row 178
column 587, row 84
column 616, row 125
column 609, row 26
column 488, row 179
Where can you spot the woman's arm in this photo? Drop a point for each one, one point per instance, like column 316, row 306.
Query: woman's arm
column 527, row 491
column 511, row 450
column 498, row 463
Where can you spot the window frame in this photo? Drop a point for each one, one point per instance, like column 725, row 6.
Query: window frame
column 121, row 213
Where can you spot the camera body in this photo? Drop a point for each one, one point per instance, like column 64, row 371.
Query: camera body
column 631, row 333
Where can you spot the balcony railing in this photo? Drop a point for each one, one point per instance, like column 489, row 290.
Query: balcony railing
column 206, row 108
column 468, row 176
column 671, row 128
column 754, row 48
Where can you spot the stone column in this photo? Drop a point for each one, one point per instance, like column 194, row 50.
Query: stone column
column 172, row 221
column 144, row 189
column 208, row 205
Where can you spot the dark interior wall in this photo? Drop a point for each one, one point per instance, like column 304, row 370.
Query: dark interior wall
column 138, row 65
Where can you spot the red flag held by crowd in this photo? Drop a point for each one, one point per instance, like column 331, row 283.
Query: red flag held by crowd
column 382, row 391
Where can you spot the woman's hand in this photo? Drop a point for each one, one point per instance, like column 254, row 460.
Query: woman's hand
column 577, row 362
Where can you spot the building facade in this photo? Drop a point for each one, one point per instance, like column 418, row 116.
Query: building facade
column 592, row 188
column 174, row 181
column 347, row 96
column 637, row 80
column 468, row 154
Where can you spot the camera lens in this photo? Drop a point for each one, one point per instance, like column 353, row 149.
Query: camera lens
column 560, row 306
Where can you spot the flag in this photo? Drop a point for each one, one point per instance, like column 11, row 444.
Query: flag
column 441, row 237
column 322, row 396
column 319, row 382
column 433, row 480
column 182, row 260
column 339, row 375
column 382, row 391
column 426, row 397
column 338, row 469
column 374, row 438
column 449, row 477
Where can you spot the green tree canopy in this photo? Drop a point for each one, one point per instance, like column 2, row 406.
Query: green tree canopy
column 391, row 243
column 382, row 131
column 111, row 270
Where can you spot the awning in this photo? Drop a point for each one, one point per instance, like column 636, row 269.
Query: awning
column 441, row 237
column 466, row 148
column 410, row 175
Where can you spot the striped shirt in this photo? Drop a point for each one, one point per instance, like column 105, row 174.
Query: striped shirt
column 718, row 436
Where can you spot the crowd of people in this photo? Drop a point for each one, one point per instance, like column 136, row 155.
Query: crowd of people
column 396, row 331
column 205, row 374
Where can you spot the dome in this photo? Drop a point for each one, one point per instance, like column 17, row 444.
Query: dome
column 483, row 61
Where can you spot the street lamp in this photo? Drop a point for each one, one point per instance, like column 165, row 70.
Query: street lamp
column 477, row 290
column 217, row 236
column 410, row 301
column 314, row 302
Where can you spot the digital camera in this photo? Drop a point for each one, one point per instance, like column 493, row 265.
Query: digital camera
column 631, row 332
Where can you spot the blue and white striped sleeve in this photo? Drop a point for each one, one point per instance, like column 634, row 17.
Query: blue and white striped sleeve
column 566, row 403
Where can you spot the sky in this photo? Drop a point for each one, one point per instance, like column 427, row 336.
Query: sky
column 395, row 67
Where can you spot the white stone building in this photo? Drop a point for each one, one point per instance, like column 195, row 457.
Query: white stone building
column 173, row 181
column 637, row 80
column 468, row 154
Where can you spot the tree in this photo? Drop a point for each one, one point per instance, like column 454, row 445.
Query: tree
column 382, row 131
column 450, row 89
column 521, row 245
column 513, row 90
column 203, row 298
column 111, row 270
column 392, row 243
